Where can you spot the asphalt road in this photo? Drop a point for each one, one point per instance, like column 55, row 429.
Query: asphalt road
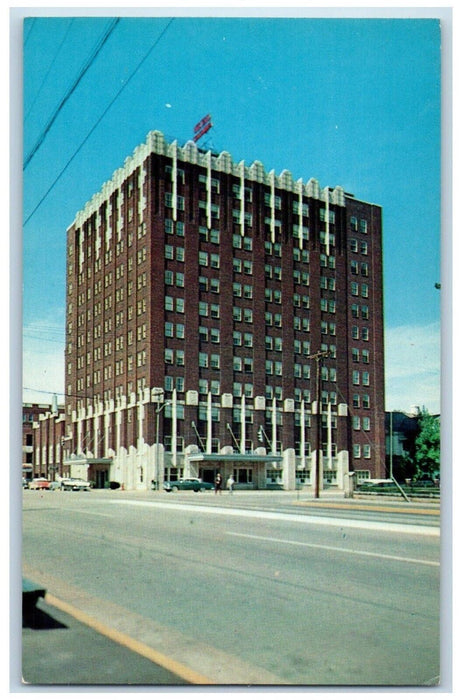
column 249, row 589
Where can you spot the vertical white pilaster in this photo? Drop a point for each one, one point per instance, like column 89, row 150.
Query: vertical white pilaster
column 243, row 424
column 327, row 221
column 242, row 176
column 302, row 434
column 209, row 190
column 175, row 180
column 274, row 431
column 209, row 423
column 300, row 214
column 272, row 205
column 329, row 434
column 174, row 427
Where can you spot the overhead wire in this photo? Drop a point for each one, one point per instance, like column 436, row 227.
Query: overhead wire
column 71, row 90
column 99, row 120
column 49, row 70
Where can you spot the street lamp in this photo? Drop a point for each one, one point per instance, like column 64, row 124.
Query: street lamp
column 317, row 357
column 159, row 410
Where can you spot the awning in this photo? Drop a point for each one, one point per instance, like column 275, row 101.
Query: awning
column 81, row 460
column 236, row 457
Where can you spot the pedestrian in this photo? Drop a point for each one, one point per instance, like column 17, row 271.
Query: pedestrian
column 230, row 484
column 218, row 483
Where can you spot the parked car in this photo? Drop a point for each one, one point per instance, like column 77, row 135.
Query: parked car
column 39, row 483
column 75, row 485
column 192, row 484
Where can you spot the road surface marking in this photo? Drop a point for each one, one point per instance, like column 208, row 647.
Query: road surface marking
column 156, row 657
column 336, row 549
column 288, row 517
column 389, row 508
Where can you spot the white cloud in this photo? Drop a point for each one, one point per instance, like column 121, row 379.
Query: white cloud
column 413, row 367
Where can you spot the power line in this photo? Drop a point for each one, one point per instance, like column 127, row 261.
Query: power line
column 49, row 70
column 71, row 90
column 99, row 120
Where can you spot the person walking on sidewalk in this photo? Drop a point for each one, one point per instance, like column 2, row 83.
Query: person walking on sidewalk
column 230, row 484
column 218, row 483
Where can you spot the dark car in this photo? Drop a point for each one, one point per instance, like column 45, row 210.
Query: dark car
column 192, row 484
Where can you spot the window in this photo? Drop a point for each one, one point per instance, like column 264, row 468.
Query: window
column 179, row 279
column 237, row 364
column 203, row 359
column 356, row 451
column 366, row 423
column 215, row 361
column 356, row 377
column 365, row 333
column 367, row 451
column 363, row 226
column 179, row 330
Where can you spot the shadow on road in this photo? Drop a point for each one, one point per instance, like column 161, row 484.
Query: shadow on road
column 36, row 619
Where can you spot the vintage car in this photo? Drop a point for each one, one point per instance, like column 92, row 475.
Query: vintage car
column 75, row 485
column 39, row 483
column 191, row 484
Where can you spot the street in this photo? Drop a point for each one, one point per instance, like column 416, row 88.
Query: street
column 261, row 589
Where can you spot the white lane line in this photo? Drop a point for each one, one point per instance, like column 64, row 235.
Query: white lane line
column 336, row 549
column 288, row 517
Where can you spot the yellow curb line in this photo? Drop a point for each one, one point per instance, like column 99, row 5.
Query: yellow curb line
column 140, row 648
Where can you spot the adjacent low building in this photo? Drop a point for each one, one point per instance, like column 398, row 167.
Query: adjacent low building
column 223, row 318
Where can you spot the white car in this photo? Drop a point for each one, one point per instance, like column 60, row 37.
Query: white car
column 75, row 485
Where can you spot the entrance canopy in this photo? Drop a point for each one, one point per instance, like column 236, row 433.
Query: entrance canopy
column 233, row 458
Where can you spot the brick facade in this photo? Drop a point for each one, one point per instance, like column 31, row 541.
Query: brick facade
column 216, row 284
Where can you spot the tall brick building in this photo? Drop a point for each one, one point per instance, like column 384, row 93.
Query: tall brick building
column 210, row 305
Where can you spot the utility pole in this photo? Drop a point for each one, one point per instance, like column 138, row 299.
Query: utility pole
column 318, row 356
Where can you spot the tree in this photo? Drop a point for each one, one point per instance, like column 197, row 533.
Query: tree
column 427, row 454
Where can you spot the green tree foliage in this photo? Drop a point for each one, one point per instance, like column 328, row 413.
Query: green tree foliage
column 427, row 455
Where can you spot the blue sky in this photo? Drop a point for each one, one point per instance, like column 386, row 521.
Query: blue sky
column 351, row 102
